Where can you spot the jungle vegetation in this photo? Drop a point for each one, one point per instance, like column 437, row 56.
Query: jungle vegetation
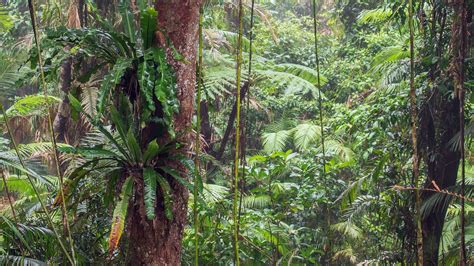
column 236, row 132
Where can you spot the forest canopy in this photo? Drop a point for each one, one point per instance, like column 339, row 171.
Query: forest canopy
column 236, row 132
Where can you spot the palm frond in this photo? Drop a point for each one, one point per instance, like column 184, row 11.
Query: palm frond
column 32, row 105
column 256, row 201
column 439, row 201
column 338, row 148
column 349, row 229
column 374, row 15
column 306, row 134
column 275, row 141
column 20, row 261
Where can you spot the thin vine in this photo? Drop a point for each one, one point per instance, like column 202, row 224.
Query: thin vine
column 320, row 107
column 198, row 141
column 246, row 109
column 414, row 118
column 31, row 6
column 237, row 139
column 462, row 54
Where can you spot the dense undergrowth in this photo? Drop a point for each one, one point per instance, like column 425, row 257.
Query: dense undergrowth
column 299, row 204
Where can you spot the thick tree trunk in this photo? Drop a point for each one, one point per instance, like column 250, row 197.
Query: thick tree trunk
column 158, row 242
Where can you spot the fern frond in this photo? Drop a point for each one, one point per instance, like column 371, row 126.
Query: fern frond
column 214, row 193
column 374, row 15
column 306, row 134
column 304, row 72
column 275, row 141
column 291, row 83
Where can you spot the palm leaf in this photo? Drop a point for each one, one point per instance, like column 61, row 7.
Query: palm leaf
column 275, row 141
column 305, row 134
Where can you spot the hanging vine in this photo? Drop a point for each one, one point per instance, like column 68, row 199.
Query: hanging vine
column 461, row 58
column 414, row 118
column 237, row 139
column 246, row 109
column 31, row 6
column 320, row 107
column 198, row 141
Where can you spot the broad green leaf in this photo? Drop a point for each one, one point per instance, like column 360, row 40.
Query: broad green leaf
column 167, row 200
column 148, row 23
column 110, row 81
column 133, row 146
column 152, row 150
column 120, row 214
column 150, row 177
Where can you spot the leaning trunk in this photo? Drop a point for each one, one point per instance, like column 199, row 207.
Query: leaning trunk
column 158, row 242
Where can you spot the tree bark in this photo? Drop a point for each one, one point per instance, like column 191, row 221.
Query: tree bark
column 158, row 242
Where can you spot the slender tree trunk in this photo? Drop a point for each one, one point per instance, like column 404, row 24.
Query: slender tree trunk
column 206, row 129
column 158, row 242
column 230, row 123
column 62, row 121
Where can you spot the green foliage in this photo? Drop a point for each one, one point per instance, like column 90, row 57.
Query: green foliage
column 295, row 208
column 120, row 214
column 32, row 105
column 150, row 178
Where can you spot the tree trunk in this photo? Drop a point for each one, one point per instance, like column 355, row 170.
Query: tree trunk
column 158, row 242
column 439, row 124
column 230, row 123
column 206, row 129
column 63, row 121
